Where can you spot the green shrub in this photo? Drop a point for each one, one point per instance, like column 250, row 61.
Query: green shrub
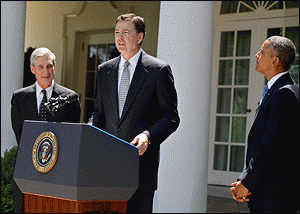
column 7, row 171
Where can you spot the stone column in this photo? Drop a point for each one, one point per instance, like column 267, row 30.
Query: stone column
column 13, row 15
column 185, row 41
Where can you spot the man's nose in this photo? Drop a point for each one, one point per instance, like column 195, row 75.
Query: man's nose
column 121, row 35
column 46, row 70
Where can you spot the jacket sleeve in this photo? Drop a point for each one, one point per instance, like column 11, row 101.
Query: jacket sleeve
column 16, row 119
column 75, row 111
column 167, row 98
column 277, row 129
column 98, row 117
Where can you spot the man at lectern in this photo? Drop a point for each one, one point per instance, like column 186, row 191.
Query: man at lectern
column 137, row 102
column 28, row 103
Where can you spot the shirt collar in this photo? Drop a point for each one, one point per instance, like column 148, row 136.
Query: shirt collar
column 48, row 90
column 273, row 80
column 133, row 60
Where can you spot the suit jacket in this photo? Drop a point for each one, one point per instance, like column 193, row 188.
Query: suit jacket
column 273, row 154
column 151, row 106
column 24, row 107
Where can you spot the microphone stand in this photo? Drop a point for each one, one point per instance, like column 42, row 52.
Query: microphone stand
column 55, row 104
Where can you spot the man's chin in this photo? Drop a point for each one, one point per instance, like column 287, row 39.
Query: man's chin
column 45, row 83
column 121, row 49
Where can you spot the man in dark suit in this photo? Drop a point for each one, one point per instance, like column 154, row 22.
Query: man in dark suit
column 26, row 102
column 145, row 113
column 268, row 180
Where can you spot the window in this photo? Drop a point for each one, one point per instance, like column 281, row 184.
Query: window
column 96, row 55
column 229, row 7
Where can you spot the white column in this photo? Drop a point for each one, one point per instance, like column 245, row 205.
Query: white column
column 13, row 14
column 185, row 41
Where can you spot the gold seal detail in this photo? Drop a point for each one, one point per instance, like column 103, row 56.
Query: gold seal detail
column 45, row 152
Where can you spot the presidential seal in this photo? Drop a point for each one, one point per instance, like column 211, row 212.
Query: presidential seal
column 45, row 152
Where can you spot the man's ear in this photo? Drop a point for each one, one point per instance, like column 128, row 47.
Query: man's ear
column 276, row 61
column 140, row 37
column 32, row 69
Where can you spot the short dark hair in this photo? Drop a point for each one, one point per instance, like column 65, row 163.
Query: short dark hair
column 138, row 22
column 284, row 49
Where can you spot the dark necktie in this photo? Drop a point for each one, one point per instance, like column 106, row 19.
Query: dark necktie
column 124, row 86
column 43, row 110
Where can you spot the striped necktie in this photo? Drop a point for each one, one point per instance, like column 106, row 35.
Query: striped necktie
column 124, row 86
column 43, row 110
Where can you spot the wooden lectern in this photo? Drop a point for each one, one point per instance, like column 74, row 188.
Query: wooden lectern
column 74, row 168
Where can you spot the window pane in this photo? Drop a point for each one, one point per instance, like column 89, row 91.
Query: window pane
column 224, row 99
column 225, row 72
column 293, row 34
column 278, row 5
column 227, row 44
column 238, row 133
column 240, row 98
column 275, row 32
column 112, row 51
column 237, row 154
column 292, row 4
column 91, row 58
column 220, row 157
column 229, row 7
column 222, row 129
column 101, row 57
column 243, row 43
column 244, row 8
column 294, row 70
column 242, row 72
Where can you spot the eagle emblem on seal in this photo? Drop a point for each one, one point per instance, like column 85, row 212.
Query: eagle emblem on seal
column 45, row 152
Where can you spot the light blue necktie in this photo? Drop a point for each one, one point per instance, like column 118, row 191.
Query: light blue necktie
column 264, row 93
column 124, row 86
column 262, row 98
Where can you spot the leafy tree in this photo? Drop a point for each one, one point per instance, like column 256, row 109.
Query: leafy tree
column 7, row 171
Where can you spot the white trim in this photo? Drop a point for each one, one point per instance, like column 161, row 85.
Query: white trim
column 257, row 14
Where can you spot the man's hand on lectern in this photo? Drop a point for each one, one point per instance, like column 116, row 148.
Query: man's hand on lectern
column 141, row 142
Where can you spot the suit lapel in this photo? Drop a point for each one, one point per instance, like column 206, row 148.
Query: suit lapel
column 283, row 80
column 112, row 77
column 31, row 103
column 56, row 92
column 138, row 79
column 267, row 96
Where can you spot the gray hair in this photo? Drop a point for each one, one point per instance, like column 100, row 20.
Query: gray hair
column 41, row 52
column 284, row 49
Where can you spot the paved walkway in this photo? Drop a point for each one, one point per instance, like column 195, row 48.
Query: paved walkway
column 225, row 205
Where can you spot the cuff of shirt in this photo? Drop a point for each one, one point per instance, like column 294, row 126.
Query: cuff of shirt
column 147, row 133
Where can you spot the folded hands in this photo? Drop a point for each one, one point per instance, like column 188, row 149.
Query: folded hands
column 239, row 192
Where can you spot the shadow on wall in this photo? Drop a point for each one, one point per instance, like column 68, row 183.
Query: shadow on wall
column 28, row 76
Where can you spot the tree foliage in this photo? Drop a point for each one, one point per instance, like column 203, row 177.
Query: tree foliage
column 7, row 171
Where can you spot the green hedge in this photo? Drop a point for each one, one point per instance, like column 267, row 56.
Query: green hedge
column 7, row 171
